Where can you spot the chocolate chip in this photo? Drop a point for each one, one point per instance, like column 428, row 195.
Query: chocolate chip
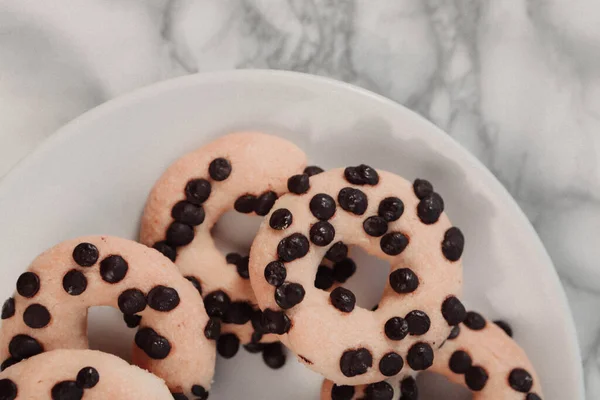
column 430, row 208
column 179, row 234
column 219, row 169
column 74, row 282
column 216, row 303
column 404, row 280
column 212, row 330
column 361, row 175
column 342, row 299
column 337, row 252
column 292, row 247
column 418, row 322
column 9, row 362
column 163, row 298
column 289, row 294
column 113, row 269
column 254, row 348
column 520, row 380
column 324, row 278
column 28, row 284
column 275, row 322
column 453, row 311
column 256, row 321
column 88, row 377
column 197, row 191
column 356, row 362
column 422, row 188
column 67, row 390
column 409, row 389
column 8, row 389
column 454, row 332
column 242, row 267
column 281, row 219
column 85, row 254
column 393, row 243
column 460, row 362
column 188, row 213
column 420, row 356
column 342, row 392
column 390, row 209
column 505, row 327
column 379, row 391
column 322, row 206
column 24, row 346
column 233, row 258
column 239, row 312
column 375, row 226
column 474, row 321
column 312, row 170
column 154, row 345
column 476, row 378
column 245, row 204
column 179, row 396
column 132, row 321
column 166, row 250
column 391, row 364
column 264, row 203
column 228, row 345
column 322, row 233
column 298, row 184
column 273, row 355
column 196, row 283
column 375, row 307
column 453, row 244
column 199, row 392
column 131, row 301
column 36, row 316
column 353, row 200
column 343, row 270
column 275, row 273
column 532, row 396
column 8, row 308
column 396, row 328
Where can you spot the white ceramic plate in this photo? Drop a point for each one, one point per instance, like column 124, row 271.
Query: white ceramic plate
column 94, row 174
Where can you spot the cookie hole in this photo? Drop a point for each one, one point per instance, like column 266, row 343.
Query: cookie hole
column 235, row 231
column 104, row 325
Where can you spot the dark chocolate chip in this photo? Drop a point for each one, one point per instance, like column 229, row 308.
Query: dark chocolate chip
column 379, row 391
column 212, row 330
column 337, row 252
column 163, row 298
column 343, row 270
column 74, row 282
column 418, row 322
column 179, row 396
column 532, row 396
column 375, row 307
column 179, row 234
column 216, row 303
column 264, row 203
column 131, row 301
column 292, row 247
column 228, row 345
column 197, row 191
column 8, row 389
column 195, row 282
column 298, row 184
column 199, row 392
column 9, row 362
column 375, row 226
column 8, row 308
column 356, row 362
column 409, row 389
column 313, row 170
column 239, row 312
column 422, row 188
column 275, row 273
column 322, row 206
column 342, row 299
column 132, row 321
column 273, row 355
column 453, row 311
column 322, row 233
column 28, row 284
column 254, row 348
column 505, row 327
column 390, row 209
column 404, row 280
column 396, row 328
column 85, row 254
column 420, row 356
column 454, row 332
column 289, row 294
column 391, row 364
column 460, row 362
column 342, row 392
column 476, row 378
column 393, row 243
column 166, row 250
column 353, row 200
column 154, row 345
column 242, row 267
column 36, row 316
column 453, row 244
column 233, row 258
column 281, row 219
column 67, row 390
column 245, row 204
column 188, row 213
column 324, row 278
column 24, row 346
column 430, row 208
column 88, row 377
column 474, row 321
column 361, row 175
column 275, row 322
column 520, row 380
column 219, row 169
column 113, row 269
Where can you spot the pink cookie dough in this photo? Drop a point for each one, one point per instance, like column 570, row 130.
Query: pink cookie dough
column 72, row 374
column 49, row 310
column 250, row 166
column 349, row 347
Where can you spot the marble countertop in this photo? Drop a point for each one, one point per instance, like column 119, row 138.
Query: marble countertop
column 516, row 82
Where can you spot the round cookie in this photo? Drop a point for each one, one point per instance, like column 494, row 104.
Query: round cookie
column 77, row 374
column 390, row 218
column 246, row 172
column 49, row 310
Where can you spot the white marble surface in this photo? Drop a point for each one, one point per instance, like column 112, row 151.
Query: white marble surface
column 516, row 82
